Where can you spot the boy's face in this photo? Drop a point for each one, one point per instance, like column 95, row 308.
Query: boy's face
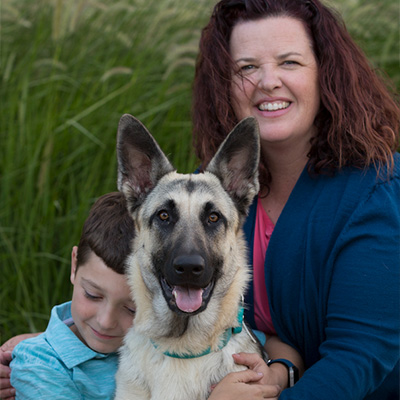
column 102, row 308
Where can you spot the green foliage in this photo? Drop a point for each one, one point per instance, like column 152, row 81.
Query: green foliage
column 68, row 70
column 375, row 26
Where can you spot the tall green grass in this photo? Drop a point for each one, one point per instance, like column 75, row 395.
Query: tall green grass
column 68, row 70
column 375, row 25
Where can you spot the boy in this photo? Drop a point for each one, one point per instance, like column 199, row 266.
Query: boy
column 76, row 357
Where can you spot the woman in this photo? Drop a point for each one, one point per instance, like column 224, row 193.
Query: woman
column 328, row 126
column 329, row 208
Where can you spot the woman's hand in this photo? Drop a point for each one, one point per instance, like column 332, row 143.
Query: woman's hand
column 7, row 392
column 244, row 385
column 274, row 375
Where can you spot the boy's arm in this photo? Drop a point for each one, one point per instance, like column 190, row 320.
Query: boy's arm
column 6, row 390
column 42, row 382
column 41, row 377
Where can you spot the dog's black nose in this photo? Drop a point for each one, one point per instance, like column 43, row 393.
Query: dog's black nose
column 189, row 267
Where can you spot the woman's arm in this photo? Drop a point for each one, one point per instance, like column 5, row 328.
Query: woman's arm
column 361, row 328
column 276, row 349
column 259, row 381
column 275, row 374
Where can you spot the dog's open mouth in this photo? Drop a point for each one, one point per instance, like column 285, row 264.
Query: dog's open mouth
column 186, row 299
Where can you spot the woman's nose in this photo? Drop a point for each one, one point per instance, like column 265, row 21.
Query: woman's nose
column 269, row 78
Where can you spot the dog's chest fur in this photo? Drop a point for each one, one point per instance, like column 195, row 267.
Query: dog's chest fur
column 160, row 377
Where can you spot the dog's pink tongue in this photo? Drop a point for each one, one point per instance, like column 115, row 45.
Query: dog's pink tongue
column 188, row 299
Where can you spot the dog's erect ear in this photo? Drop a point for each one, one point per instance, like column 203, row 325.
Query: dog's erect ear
column 236, row 163
column 141, row 162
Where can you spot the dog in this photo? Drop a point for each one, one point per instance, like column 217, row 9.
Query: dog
column 188, row 270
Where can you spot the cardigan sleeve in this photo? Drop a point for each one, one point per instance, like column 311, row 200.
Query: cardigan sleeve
column 361, row 345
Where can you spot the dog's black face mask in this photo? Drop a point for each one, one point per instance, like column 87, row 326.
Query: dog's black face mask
column 187, row 279
column 186, row 229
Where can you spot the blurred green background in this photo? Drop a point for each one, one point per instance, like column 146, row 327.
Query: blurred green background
column 68, row 70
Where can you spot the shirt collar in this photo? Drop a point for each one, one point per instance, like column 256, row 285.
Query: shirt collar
column 64, row 342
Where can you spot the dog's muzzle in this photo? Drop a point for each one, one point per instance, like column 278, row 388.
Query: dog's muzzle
column 187, row 284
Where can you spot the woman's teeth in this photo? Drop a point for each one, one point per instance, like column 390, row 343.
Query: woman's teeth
column 273, row 106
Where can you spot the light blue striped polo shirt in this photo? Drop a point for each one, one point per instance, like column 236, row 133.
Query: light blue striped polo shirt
column 57, row 365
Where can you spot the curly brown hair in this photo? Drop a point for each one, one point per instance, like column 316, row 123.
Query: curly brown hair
column 358, row 121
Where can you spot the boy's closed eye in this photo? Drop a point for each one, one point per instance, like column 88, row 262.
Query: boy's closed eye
column 91, row 296
column 131, row 310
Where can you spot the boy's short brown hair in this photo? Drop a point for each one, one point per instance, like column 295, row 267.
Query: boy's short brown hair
column 108, row 232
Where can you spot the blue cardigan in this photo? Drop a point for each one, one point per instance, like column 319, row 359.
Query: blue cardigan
column 332, row 273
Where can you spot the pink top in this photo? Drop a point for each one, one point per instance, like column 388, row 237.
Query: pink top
column 262, row 234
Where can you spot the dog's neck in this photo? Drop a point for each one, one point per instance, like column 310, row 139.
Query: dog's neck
column 224, row 339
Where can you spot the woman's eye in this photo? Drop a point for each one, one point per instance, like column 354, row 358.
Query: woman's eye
column 290, row 62
column 247, row 68
column 244, row 69
column 213, row 217
column 163, row 215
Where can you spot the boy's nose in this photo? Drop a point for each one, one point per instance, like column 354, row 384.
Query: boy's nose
column 107, row 319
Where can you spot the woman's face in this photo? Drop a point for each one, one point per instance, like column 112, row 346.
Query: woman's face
column 276, row 80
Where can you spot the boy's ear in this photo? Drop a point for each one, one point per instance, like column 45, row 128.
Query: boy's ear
column 74, row 263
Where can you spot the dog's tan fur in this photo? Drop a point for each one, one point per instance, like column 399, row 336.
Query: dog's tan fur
column 149, row 182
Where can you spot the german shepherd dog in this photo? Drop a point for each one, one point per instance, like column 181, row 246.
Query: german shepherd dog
column 188, row 270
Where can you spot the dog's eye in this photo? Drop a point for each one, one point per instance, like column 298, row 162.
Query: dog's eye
column 163, row 215
column 213, row 217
